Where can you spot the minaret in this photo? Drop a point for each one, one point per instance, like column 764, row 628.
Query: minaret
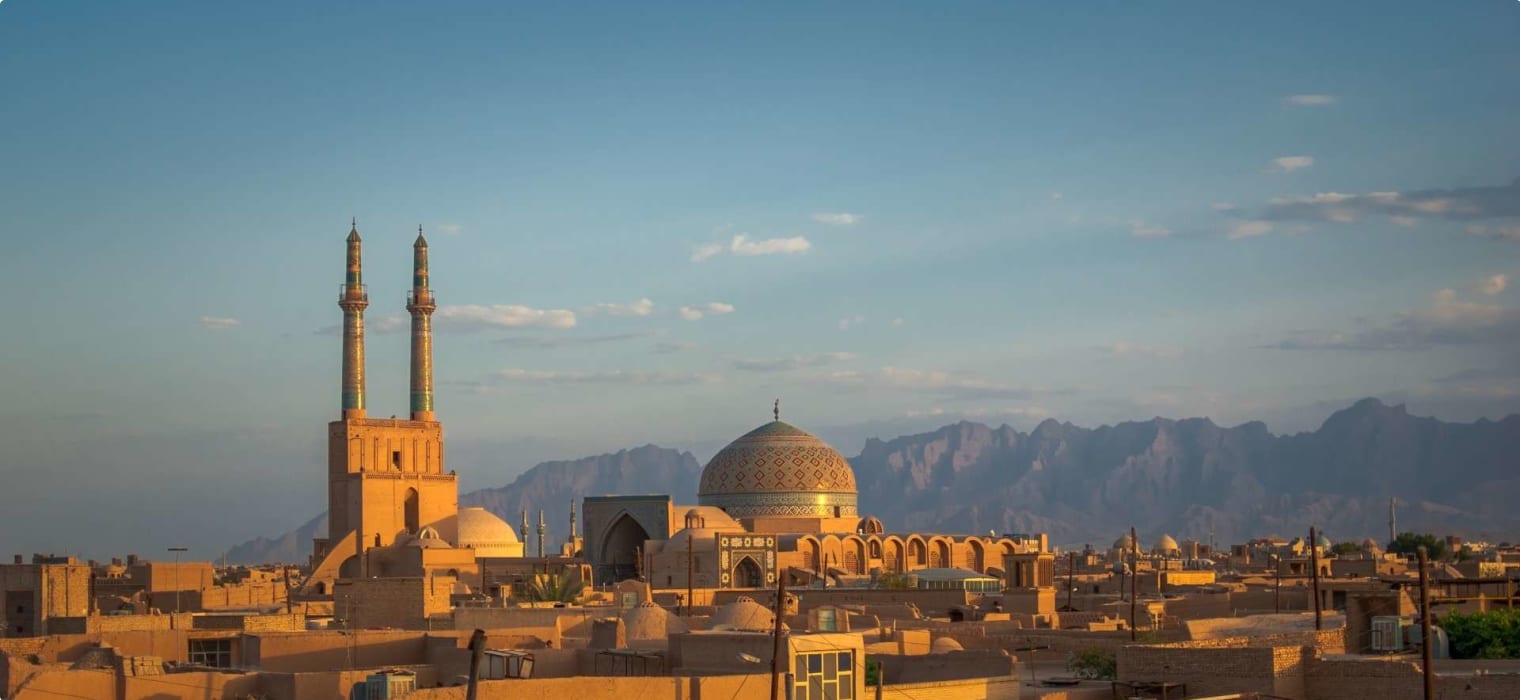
column 420, row 303
column 353, row 299
column 541, row 527
column 571, row 539
column 524, row 530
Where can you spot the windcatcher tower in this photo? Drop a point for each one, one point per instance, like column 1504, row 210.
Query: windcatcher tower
column 385, row 476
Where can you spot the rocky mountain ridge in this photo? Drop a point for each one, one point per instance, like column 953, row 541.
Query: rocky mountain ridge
column 1189, row 478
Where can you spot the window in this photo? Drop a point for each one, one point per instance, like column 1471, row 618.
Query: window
column 216, row 653
column 824, row 675
column 396, row 459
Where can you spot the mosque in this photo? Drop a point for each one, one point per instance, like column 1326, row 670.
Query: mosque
column 776, row 502
column 392, row 508
column 779, row 502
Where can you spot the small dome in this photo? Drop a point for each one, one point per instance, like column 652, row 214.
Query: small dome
column 1371, row 545
column 1323, row 541
column 1124, row 542
column 483, row 531
column 942, row 645
column 744, row 615
column 427, row 538
column 1166, row 544
column 648, row 621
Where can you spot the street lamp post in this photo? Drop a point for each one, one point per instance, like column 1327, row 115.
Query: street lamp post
column 176, row 551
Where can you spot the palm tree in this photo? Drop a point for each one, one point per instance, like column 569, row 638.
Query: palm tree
column 554, row 588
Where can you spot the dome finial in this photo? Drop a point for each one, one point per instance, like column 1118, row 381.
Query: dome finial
column 776, row 409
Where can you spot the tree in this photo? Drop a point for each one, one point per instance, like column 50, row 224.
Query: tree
column 1487, row 635
column 1094, row 664
column 1342, row 549
column 1408, row 543
column 555, row 588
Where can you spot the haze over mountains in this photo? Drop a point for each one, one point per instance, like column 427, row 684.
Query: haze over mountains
column 1188, row 478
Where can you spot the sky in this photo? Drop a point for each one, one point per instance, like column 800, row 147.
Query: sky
column 650, row 220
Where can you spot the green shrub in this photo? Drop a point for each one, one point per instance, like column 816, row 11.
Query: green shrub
column 1487, row 635
column 1094, row 664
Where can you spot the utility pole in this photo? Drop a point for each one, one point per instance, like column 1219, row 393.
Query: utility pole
column 1134, row 581
column 1319, row 621
column 776, row 636
column 176, row 551
column 1393, row 524
column 1425, row 651
column 477, row 650
column 1277, row 588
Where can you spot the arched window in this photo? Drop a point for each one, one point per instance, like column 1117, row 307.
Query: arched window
column 412, row 508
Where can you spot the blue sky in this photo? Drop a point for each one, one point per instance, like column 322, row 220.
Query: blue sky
column 890, row 215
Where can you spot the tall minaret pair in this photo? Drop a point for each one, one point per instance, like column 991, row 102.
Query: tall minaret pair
column 354, row 298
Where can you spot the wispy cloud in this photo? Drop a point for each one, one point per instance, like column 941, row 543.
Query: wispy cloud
column 1140, row 229
column 1511, row 232
column 742, row 244
column 550, row 342
column 449, row 230
column 217, row 323
column 837, row 218
column 467, row 317
column 705, row 251
column 1127, row 348
column 670, row 347
column 1448, row 321
column 1465, row 203
column 631, row 377
column 932, row 382
column 1248, row 229
column 642, row 307
column 1492, row 285
column 1288, row 164
column 795, row 362
column 1310, row 100
column 1223, row 206
column 851, row 321
column 715, row 308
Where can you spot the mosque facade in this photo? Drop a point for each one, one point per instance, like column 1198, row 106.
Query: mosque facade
column 776, row 502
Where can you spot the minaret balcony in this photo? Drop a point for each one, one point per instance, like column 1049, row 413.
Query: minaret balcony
column 422, row 299
column 353, row 292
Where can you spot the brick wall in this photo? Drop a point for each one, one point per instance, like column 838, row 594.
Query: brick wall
column 1003, row 688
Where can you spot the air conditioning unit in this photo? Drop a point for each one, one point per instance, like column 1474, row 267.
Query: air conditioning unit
column 1388, row 633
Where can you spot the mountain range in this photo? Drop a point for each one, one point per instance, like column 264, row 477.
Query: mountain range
column 1189, row 478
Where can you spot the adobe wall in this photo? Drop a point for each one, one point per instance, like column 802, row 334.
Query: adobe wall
column 199, row 684
column 1206, row 671
column 1388, row 678
column 951, row 666
column 62, row 683
column 1058, row 641
column 930, row 602
column 745, row 687
column 1004, row 688
column 324, row 650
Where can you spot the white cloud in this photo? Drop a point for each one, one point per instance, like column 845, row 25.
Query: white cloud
column 1057, row 196
column 478, row 316
column 838, row 218
column 1310, row 100
column 705, row 251
column 897, row 321
column 449, row 230
column 742, row 245
column 219, row 322
column 1492, row 285
column 1160, row 352
column 1247, row 229
column 695, row 313
column 642, row 307
column 846, row 323
column 1140, row 229
column 1288, row 164
column 794, row 362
